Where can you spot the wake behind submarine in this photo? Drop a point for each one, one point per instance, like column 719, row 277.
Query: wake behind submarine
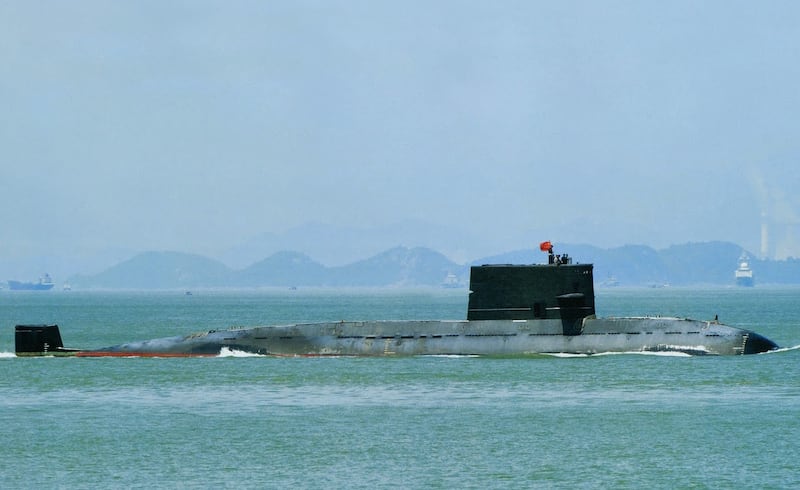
column 512, row 310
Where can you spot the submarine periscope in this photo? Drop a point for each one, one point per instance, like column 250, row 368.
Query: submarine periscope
column 512, row 310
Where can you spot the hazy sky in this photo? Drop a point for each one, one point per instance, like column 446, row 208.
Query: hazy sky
column 194, row 126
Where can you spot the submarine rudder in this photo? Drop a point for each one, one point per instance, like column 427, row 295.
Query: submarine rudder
column 39, row 340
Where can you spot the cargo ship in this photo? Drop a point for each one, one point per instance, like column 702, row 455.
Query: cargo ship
column 45, row 283
column 512, row 310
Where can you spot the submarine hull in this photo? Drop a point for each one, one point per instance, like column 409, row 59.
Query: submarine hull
column 485, row 338
column 512, row 310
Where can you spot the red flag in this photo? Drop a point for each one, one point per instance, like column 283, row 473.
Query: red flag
column 546, row 246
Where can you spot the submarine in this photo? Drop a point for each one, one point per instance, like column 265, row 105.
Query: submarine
column 512, row 310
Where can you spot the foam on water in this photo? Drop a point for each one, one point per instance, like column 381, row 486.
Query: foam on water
column 671, row 353
column 228, row 352
column 627, row 353
column 451, row 356
column 782, row 349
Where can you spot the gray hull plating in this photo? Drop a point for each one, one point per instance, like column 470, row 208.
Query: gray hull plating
column 482, row 337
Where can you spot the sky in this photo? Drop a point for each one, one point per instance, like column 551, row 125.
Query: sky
column 196, row 126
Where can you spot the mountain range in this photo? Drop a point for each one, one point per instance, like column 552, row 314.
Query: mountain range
column 399, row 266
column 707, row 263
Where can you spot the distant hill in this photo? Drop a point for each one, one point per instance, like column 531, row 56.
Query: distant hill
column 630, row 265
column 159, row 270
column 707, row 263
column 343, row 245
column 283, row 269
column 399, row 266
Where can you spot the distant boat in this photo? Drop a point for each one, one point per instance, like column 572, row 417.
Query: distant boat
column 67, row 286
column 744, row 274
column 451, row 281
column 45, row 283
column 610, row 282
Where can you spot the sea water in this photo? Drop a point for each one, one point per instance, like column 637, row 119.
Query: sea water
column 628, row 420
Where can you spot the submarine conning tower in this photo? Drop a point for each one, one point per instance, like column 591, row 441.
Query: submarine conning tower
column 556, row 290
